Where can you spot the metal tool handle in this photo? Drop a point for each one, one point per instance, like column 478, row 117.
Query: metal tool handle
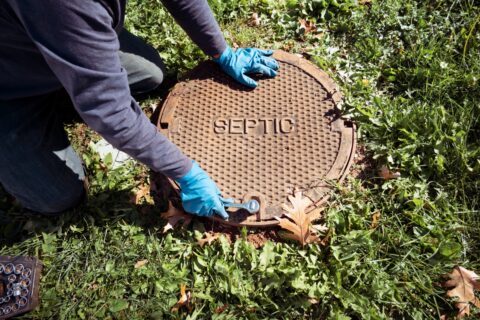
column 252, row 206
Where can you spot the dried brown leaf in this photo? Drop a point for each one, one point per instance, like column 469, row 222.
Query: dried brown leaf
column 142, row 193
column 298, row 221
column 307, row 26
column 258, row 239
column 208, row 238
column 173, row 216
column 141, row 263
column 375, row 219
column 324, row 242
column 464, row 283
column 254, row 20
column 386, row 174
column 184, row 300
column 221, row 309
column 316, row 213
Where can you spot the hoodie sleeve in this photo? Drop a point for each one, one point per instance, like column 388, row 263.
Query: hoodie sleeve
column 196, row 18
column 78, row 42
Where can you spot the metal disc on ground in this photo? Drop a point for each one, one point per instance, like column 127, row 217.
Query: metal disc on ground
column 262, row 144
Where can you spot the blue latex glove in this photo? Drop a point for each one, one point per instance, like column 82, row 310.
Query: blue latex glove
column 200, row 195
column 243, row 61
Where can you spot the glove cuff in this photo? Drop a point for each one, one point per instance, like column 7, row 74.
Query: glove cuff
column 224, row 56
column 190, row 174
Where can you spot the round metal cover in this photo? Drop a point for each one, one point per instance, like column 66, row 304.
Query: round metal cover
column 262, row 144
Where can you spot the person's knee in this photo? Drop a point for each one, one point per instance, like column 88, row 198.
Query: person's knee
column 142, row 62
column 143, row 75
column 155, row 79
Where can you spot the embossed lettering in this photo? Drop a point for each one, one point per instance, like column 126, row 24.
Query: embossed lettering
column 220, row 126
column 237, row 126
column 250, row 125
column 254, row 126
column 287, row 125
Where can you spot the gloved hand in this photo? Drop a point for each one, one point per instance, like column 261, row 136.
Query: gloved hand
column 199, row 194
column 242, row 61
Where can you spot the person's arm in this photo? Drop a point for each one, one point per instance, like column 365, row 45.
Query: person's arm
column 79, row 44
column 196, row 18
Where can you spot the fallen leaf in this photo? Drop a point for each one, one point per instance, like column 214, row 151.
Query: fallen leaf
column 307, row 26
column 173, row 216
column 298, row 221
column 142, row 193
column 320, row 228
column 326, row 239
column 184, row 300
column 254, row 20
column 375, row 219
column 386, row 174
column 208, row 238
column 140, row 263
column 365, row 2
column 464, row 283
column 221, row 309
column 316, row 214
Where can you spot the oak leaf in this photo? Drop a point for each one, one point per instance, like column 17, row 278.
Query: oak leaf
column 298, row 221
column 174, row 216
column 386, row 174
column 463, row 283
column 208, row 238
column 184, row 300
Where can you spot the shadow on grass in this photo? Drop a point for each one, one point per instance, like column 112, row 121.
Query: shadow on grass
column 103, row 209
column 106, row 208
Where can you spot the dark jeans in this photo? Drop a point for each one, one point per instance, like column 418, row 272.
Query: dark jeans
column 37, row 163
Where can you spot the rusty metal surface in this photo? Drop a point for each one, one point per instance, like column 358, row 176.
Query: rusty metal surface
column 264, row 143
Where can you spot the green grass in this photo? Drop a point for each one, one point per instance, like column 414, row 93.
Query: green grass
column 409, row 71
